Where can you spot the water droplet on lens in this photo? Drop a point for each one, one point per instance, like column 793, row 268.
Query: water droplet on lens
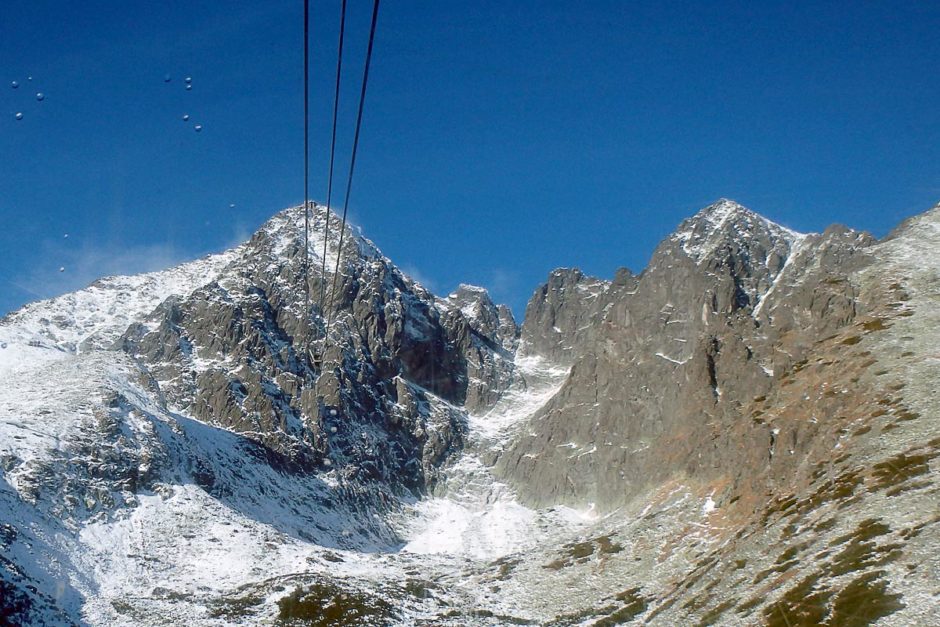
column 40, row 96
column 197, row 128
column 231, row 205
column 62, row 269
column 66, row 236
column 189, row 79
column 14, row 84
column 167, row 78
column 29, row 78
column 18, row 116
column 189, row 87
column 186, row 117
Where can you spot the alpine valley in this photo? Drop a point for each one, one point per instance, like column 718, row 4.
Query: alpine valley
column 745, row 433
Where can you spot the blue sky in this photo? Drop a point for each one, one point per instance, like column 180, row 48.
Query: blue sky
column 501, row 140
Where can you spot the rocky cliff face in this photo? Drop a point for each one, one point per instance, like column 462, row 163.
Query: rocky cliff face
column 486, row 336
column 375, row 399
column 560, row 316
column 787, row 474
column 219, row 374
column 663, row 362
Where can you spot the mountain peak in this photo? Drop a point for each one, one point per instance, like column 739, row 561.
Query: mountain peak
column 724, row 211
column 471, row 300
column 285, row 230
column 467, row 289
column 724, row 207
column 703, row 233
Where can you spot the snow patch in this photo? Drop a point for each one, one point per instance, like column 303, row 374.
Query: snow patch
column 672, row 359
column 709, row 505
column 446, row 526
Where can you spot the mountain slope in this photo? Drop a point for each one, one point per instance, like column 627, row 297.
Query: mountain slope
column 777, row 465
column 667, row 358
column 193, row 390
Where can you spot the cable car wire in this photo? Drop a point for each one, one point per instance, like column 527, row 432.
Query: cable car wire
column 352, row 162
column 329, row 187
column 306, row 157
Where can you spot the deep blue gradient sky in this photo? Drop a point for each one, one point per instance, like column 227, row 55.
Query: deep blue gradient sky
column 501, row 139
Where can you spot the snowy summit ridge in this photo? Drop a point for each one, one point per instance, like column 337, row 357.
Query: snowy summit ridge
column 726, row 220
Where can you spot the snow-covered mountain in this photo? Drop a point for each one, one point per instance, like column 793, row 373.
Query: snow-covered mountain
column 746, row 432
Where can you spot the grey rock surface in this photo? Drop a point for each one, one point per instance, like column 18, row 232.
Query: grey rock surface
column 663, row 362
column 380, row 402
column 487, row 336
column 561, row 317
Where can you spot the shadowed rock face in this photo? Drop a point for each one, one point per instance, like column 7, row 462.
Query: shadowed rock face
column 383, row 402
column 661, row 363
column 487, row 336
column 560, row 317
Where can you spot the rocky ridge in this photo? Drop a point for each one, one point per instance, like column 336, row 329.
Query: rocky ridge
column 661, row 362
column 374, row 400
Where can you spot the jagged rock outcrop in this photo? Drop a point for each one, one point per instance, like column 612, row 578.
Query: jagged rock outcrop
column 662, row 362
column 560, row 316
column 488, row 341
column 241, row 353
column 811, row 501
